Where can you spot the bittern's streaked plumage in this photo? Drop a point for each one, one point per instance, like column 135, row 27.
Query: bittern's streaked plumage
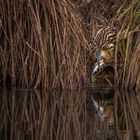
column 104, row 42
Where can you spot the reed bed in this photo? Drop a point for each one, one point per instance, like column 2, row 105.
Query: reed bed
column 129, row 45
column 44, row 44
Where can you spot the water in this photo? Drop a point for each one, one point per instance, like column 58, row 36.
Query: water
column 89, row 114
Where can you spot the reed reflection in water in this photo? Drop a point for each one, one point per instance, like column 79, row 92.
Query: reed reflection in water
column 69, row 115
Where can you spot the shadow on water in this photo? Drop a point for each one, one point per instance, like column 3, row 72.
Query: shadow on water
column 105, row 114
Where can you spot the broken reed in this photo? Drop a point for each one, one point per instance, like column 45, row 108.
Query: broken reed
column 42, row 44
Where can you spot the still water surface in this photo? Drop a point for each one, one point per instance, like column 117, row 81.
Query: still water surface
column 105, row 114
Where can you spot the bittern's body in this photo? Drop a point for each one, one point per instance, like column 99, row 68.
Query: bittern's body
column 104, row 42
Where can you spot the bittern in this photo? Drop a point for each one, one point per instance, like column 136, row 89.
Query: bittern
column 104, row 42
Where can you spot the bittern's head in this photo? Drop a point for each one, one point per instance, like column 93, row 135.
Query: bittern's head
column 103, row 57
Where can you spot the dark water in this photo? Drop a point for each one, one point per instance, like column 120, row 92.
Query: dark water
column 105, row 114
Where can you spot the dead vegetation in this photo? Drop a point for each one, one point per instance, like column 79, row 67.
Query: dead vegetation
column 44, row 44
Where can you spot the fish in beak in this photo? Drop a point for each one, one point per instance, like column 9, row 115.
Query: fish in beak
column 100, row 62
column 98, row 66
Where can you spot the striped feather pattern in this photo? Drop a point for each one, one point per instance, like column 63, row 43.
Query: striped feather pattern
column 104, row 43
column 105, row 38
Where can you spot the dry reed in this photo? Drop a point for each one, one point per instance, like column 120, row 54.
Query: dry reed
column 44, row 44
